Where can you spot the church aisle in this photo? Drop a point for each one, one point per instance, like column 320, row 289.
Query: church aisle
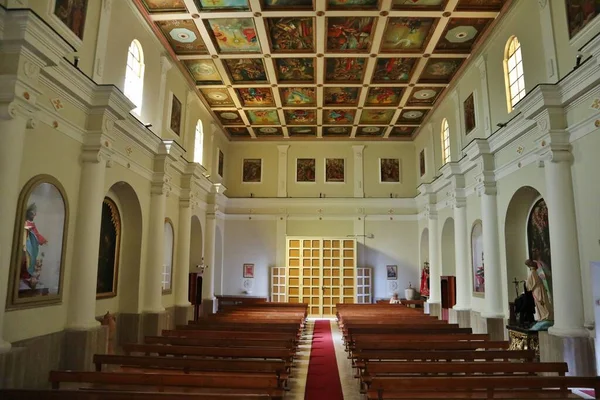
column 350, row 386
column 297, row 382
column 323, row 380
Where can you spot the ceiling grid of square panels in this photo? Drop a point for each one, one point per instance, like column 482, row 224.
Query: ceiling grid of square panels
column 331, row 69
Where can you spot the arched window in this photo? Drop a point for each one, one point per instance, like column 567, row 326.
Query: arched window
column 134, row 75
column 445, row 141
column 513, row 70
column 199, row 143
column 168, row 258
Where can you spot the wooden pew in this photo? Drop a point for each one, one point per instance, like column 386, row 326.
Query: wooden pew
column 397, row 347
column 24, row 394
column 448, row 355
column 206, row 334
column 205, row 342
column 207, row 382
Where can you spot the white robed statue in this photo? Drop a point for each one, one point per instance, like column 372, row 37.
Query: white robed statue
column 539, row 283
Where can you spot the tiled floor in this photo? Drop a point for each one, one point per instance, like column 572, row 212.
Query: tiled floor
column 297, row 382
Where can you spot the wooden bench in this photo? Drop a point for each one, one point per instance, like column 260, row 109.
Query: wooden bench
column 121, row 395
column 206, row 334
column 205, row 342
column 448, row 355
column 397, row 347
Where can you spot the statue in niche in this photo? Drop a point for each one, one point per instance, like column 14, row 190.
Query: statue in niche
column 425, row 280
column 538, row 283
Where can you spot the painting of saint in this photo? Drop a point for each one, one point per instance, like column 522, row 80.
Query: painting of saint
column 423, row 96
column 298, row 96
column 392, row 272
column 252, row 170
column 300, row 117
column 155, row 6
column 183, row 36
column 440, row 70
column 538, row 234
column 175, row 123
column 350, row 34
column 352, row 4
column 342, row 117
column 221, row 164
column 203, row 71
column 580, row 13
column 287, row 5
column 334, row 170
column 333, row 131
column 256, row 97
column 469, row 109
column 410, row 117
column 248, row 271
column 72, row 13
column 38, row 259
column 383, row 96
column 218, row 97
column 108, row 254
column 389, row 170
column 376, row 117
column 348, row 70
column 422, row 162
column 341, row 96
column 406, row 34
column 305, row 170
column 263, row 117
column 225, row 5
column 229, row 117
column 293, row 34
column 461, row 34
column 477, row 258
column 246, row 70
column 403, row 131
column 389, row 70
column 233, row 35
column 295, row 70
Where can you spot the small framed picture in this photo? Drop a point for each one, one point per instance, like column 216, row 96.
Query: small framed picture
column 71, row 18
column 469, row 110
column 334, row 170
column 389, row 170
column 252, row 170
column 305, row 170
column 175, row 119
column 221, row 164
column 392, row 272
column 248, row 270
column 422, row 162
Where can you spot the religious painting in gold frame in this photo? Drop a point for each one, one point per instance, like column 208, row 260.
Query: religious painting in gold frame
column 109, row 250
column 39, row 244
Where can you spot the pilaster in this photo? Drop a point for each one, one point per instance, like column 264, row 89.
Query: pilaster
column 545, row 8
column 165, row 65
column 458, row 126
column 359, row 190
column 481, row 64
column 282, row 158
column 102, row 42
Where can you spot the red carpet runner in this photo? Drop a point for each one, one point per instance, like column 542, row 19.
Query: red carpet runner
column 323, row 380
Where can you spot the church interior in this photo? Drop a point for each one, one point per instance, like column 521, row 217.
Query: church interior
column 264, row 199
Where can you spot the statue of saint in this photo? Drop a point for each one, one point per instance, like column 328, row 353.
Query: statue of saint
column 425, row 280
column 537, row 283
column 33, row 256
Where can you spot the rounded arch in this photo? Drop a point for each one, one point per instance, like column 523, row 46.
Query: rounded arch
column 128, row 290
column 518, row 214
column 196, row 243
column 514, row 77
column 477, row 257
column 134, row 75
column 169, row 250
column 445, row 141
column 448, row 248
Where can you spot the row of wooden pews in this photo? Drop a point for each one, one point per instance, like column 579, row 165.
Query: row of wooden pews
column 242, row 352
column 402, row 353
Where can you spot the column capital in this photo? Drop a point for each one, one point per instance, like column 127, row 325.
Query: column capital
column 359, row 148
column 283, row 149
column 431, row 212
column 96, row 148
column 189, row 199
column 457, row 199
column 165, row 64
column 486, row 184
column 554, row 147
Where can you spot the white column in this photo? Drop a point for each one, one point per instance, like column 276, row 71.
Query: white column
column 282, row 170
column 183, row 254
column 12, row 135
column 84, row 274
column 156, row 250
column 461, row 254
column 208, row 287
column 491, row 251
column 435, row 269
column 564, row 246
column 359, row 189
column 102, row 41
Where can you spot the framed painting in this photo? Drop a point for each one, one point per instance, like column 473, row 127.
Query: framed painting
column 291, row 34
column 407, row 34
column 393, row 70
column 218, row 97
column 298, row 96
column 383, row 96
column 221, row 164
column 389, row 170
column 305, row 170
column 392, row 272
column 175, row 116
column 246, row 70
column 295, row 70
column 71, row 14
column 229, row 117
column 256, row 97
column 538, row 234
column 412, row 117
column 109, row 250
column 342, row 117
column 263, row 117
column 347, row 70
column 248, row 271
column 204, row 72
column 334, row 170
column 422, row 162
column 252, row 170
column 183, row 36
column 350, row 34
column 233, row 35
column 440, row 70
column 469, row 110
column 376, row 117
column 39, row 244
column 424, row 96
column 461, row 34
column 300, row 117
column 580, row 13
column 341, row 96
column 477, row 258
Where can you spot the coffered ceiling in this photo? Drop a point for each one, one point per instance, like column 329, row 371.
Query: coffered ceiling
column 321, row 69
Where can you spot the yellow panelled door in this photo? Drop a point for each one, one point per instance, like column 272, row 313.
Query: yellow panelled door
column 321, row 272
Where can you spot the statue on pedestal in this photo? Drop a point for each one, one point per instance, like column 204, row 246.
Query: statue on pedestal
column 538, row 283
